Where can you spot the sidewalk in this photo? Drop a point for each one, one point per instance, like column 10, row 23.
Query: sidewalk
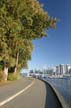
column 11, row 88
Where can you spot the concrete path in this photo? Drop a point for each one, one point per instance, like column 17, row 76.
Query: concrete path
column 39, row 95
column 10, row 89
column 34, row 97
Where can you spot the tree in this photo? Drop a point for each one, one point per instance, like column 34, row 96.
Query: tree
column 21, row 21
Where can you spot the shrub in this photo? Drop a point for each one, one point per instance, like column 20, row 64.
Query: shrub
column 12, row 77
column 1, row 76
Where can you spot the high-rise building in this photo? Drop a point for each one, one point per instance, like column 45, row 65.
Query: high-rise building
column 60, row 70
column 57, row 70
column 67, row 68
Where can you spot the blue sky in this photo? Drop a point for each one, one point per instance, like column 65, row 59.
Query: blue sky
column 56, row 47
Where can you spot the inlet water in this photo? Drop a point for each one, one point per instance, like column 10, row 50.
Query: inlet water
column 63, row 86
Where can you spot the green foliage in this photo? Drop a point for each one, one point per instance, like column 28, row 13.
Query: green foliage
column 12, row 77
column 1, row 76
column 21, row 21
column 1, row 65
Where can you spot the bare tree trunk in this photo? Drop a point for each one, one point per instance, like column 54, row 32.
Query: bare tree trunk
column 16, row 66
column 5, row 73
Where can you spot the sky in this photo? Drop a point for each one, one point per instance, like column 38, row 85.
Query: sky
column 54, row 49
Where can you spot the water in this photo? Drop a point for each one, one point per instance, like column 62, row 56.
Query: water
column 64, row 87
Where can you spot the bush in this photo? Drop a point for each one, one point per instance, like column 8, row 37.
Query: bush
column 12, row 77
column 1, row 76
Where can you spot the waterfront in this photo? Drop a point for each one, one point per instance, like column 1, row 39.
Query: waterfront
column 63, row 86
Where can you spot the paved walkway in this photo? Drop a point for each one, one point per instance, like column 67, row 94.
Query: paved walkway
column 38, row 95
column 12, row 88
column 34, row 97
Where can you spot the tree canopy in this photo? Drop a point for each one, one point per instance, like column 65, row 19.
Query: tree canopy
column 21, row 21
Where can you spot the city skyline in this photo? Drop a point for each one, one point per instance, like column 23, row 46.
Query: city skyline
column 61, row 69
column 55, row 48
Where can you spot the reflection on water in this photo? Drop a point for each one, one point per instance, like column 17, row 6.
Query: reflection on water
column 64, row 87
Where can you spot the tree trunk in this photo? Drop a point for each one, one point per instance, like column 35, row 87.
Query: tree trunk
column 5, row 73
column 16, row 66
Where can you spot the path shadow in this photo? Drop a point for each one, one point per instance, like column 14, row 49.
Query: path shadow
column 51, row 98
